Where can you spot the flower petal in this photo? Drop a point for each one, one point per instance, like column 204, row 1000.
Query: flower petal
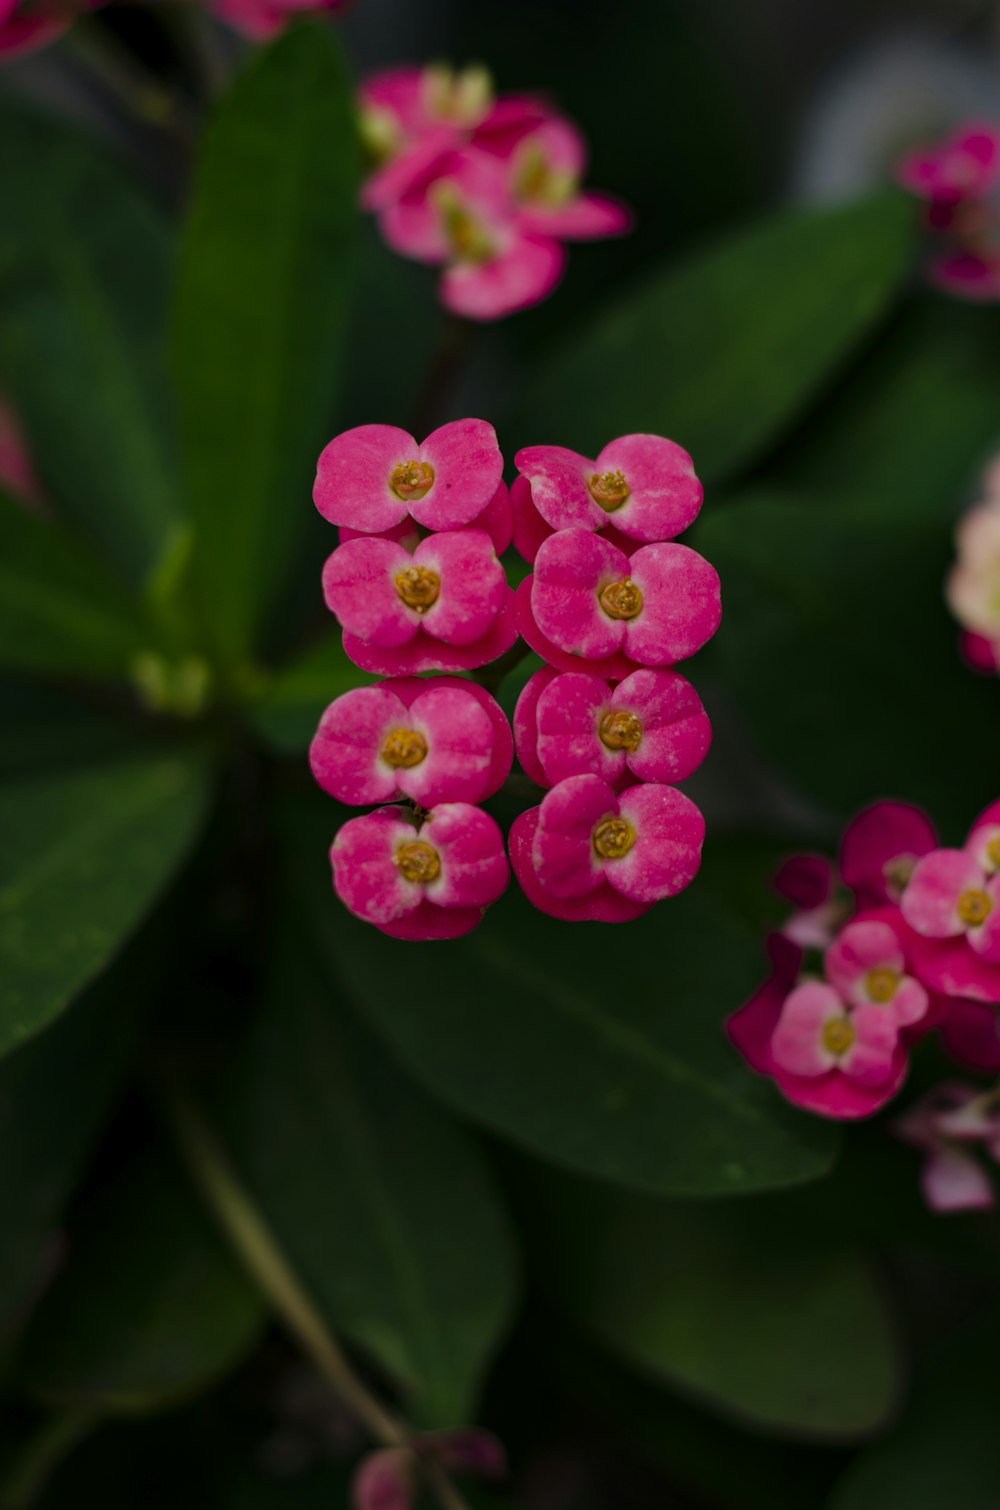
column 602, row 905
column 570, row 570
column 524, row 273
column 676, row 732
column 681, row 604
column 666, row 855
column 468, row 470
column 664, row 493
column 365, row 876
column 358, row 587
column 563, row 853
column 352, row 478
column 930, row 901
column 344, row 754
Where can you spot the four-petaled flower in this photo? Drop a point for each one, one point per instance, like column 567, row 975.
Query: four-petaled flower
column 643, row 484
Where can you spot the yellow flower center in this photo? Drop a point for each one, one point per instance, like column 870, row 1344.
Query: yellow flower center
column 880, row 985
column 613, row 837
column 467, row 237
column 620, row 731
column 536, row 181
column 418, row 587
column 898, row 873
column 609, row 490
column 993, row 852
column 404, row 747
column 974, row 907
column 418, row 862
column 621, row 600
column 411, row 479
column 838, row 1035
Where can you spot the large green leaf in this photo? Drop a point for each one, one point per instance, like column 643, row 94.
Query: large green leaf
column 84, row 267
column 61, row 612
column 600, row 1048
column 837, row 644
column 84, row 857
column 378, row 1201
column 265, row 282
column 44, row 728
column 945, row 1453
column 151, row 1306
column 730, row 1302
column 724, row 352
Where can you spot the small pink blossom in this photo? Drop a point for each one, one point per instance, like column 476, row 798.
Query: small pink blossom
column 588, row 601
column 375, row 478
column 953, row 905
column 650, row 727
column 445, row 740
column 880, row 849
column 434, row 882
column 942, row 1125
column 591, row 846
column 963, row 166
column 817, row 1033
column 644, row 484
column 410, row 116
column 445, row 607
column 546, row 163
column 867, row 965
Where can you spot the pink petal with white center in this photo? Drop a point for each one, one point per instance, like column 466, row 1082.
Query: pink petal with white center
column 358, row 587
column 870, row 1058
column 666, row 855
column 676, row 732
column 610, row 667
column 563, row 853
column 568, row 714
column 797, row 1043
column 586, row 217
column 930, row 901
column 408, row 689
column 602, row 905
column 664, row 493
column 985, row 937
column 473, row 588
column 473, row 860
column 880, row 846
column 365, row 876
column 459, row 736
column 571, row 569
column 526, row 724
column 681, row 607
column 983, row 846
column 352, row 479
column 398, row 92
column 423, row 653
column 557, row 479
column 407, row 170
column 344, row 754
column 859, row 949
column 525, row 270
column 468, row 470
column 952, row 1180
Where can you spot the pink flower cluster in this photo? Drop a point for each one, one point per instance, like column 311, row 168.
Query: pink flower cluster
column 973, row 585
column 908, row 940
column 608, row 727
column 957, row 178
column 486, row 188
column 946, row 1125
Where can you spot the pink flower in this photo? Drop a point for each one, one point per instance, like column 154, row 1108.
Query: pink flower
column 952, row 903
column 971, row 272
column 445, row 607
column 644, row 483
column 546, row 161
column 410, row 116
column 963, row 166
column 444, row 740
column 459, row 214
column 529, row 529
column 590, row 853
column 651, row 727
column 376, row 477
column 808, row 882
column 941, row 1125
column 17, row 472
column 880, row 849
column 588, row 601
column 388, row 1479
column 496, row 520
column 260, row 20
column 434, row 882
column 867, row 966
column 980, row 654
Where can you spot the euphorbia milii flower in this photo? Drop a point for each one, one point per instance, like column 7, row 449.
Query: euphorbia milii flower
column 644, row 484
column 459, row 214
column 952, row 903
column 964, row 166
column 942, row 1125
column 880, row 849
column 546, row 164
column 867, row 966
column 409, row 116
column 589, row 852
column 434, row 882
column 375, row 477
column 588, row 601
column 496, row 520
column 651, row 727
column 443, row 740
column 445, row 607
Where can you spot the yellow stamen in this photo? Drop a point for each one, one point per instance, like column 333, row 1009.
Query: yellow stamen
column 898, row 873
column 974, row 907
column 880, row 985
column 404, row 747
column 621, row 600
column 418, row 862
column 993, row 852
column 609, row 490
column 620, row 731
column 838, row 1035
column 411, row 479
column 467, row 237
column 418, row 587
column 613, row 838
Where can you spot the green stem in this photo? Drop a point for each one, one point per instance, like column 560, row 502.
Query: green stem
column 42, row 1453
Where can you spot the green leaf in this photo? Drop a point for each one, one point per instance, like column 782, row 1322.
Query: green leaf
column 730, row 1302
column 945, row 1453
column 724, row 352
column 84, row 269
column 151, row 1306
column 84, row 858
column 602, row 1049
column 289, row 708
column 61, row 612
column 265, row 283
column 837, row 645
column 378, row 1201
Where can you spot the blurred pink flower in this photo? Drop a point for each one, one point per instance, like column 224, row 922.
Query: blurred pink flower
column 17, row 472
column 867, row 966
column 963, row 166
column 942, row 1125
column 952, row 904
